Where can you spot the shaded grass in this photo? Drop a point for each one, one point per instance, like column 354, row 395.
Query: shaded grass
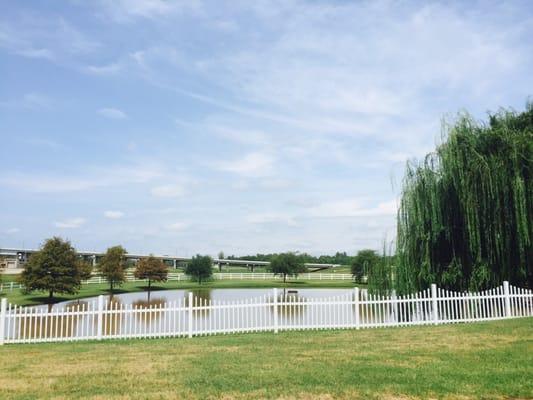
column 483, row 360
column 90, row 290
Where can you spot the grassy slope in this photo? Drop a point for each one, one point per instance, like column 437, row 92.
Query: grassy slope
column 483, row 360
column 17, row 297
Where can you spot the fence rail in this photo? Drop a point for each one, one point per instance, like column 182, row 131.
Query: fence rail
column 192, row 316
column 173, row 276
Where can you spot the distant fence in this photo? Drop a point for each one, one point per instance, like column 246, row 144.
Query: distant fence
column 173, row 276
column 192, row 316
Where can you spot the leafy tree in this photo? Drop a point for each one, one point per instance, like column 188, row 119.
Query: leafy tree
column 363, row 262
column 466, row 214
column 3, row 266
column 220, row 255
column 287, row 264
column 86, row 270
column 55, row 268
column 151, row 268
column 112, row 266
column 200, row 267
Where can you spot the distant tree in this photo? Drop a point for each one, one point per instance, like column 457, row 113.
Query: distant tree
column 220, row 255
column 200, row 267
column 3, row 266
column 55, row 268
column 151, row 268
column 363, row 262
column 86, row 270
column 287, row 264
column 112, row 266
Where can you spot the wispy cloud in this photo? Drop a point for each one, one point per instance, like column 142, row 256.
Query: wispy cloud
column 113, row 214
column 90, row 179
column 109, row 69
column 113, row 113
column 251, row 165
column 177, row 226
column 71, row 223
column 170, row 190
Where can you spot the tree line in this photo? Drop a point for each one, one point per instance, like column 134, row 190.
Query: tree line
column 57, row 269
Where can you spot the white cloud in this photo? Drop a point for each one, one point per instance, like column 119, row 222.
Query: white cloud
column 113, row 113
column 177, row 226
column 170, row 190
column 251, row 165
column 34, row 101
column 91, row 179
column 12, row 230
column 113, row 214
column 71, row 223
column 128, row 10
column 109, row 69
column 351, row 208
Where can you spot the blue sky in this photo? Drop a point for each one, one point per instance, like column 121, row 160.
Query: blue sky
column 198, row 126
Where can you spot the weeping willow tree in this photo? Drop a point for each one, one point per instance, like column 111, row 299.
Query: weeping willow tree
column 466, row 213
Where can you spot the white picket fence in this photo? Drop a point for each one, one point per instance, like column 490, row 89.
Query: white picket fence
column 193, row 316
column 174, row 276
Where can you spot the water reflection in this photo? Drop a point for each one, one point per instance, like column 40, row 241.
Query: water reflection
column 168, row 313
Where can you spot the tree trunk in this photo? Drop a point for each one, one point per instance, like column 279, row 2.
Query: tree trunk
column 149, row 286
column 50, row 295
column 284, row 278
column 111, row 286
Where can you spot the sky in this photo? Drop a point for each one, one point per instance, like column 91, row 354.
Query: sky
column 185, row 127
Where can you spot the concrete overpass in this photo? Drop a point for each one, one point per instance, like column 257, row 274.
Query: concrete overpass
column 16, row 258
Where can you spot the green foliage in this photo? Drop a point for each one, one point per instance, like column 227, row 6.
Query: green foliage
column 466, row 214
column 380, row 275
column 151, row 268
column 363, row 263
column 86, row 270
column 200, row 267
column 55, row 268
column 339, row 258
column 112, row 266
column 286, row 264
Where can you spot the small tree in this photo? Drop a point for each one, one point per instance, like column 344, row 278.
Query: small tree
column 151, row 268
column 287, row 264
column 86, row 270
column 55, row 268
column 200, row 267
column 364, row 261
column 3, row 266
column 113, row 266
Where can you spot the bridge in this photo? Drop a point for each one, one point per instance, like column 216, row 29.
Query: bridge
column 15, row 259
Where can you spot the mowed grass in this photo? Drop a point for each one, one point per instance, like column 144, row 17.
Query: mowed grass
column 491, row 360
column 90, row 290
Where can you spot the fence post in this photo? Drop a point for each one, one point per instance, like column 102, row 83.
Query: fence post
column 190, row 314
column 100, row 317
column 394, row 299
column 507, row 299
column 3, row 312
column 11, row 288
column 356, row 305
column 434, row 304
column 276, row 329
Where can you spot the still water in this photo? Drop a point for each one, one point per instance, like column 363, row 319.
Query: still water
column 168, row 313
column 159, row 297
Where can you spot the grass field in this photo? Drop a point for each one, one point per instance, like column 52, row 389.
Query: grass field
column 492, row 360
column 90, row 290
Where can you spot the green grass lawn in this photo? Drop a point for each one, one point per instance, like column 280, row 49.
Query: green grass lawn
column 90, row 290
column 491, row 360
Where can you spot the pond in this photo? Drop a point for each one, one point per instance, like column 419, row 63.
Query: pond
column 158, row 297
column 170, row 313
